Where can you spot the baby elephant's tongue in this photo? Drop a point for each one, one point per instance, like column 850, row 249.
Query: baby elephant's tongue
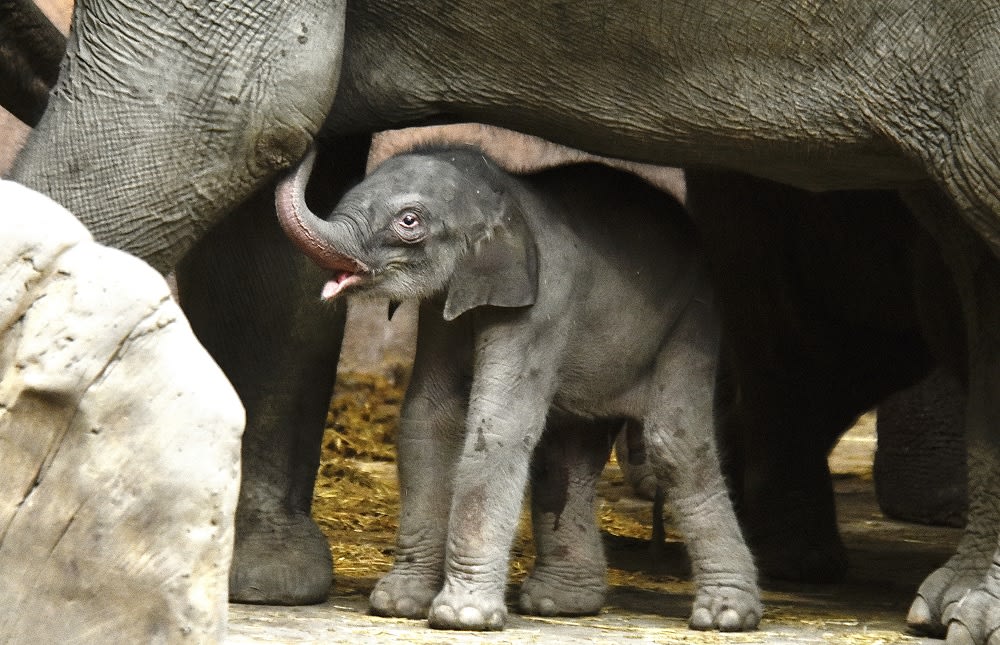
column 341, row 281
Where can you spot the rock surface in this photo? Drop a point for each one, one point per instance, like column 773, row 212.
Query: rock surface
column 119, row 445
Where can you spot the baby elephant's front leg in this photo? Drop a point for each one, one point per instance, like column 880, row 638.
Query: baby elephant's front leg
column 488, row 488
column 425, row 459
column 430, row 443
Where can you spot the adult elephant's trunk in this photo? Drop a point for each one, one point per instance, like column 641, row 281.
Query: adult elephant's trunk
column 305, row 228
column 168, row 115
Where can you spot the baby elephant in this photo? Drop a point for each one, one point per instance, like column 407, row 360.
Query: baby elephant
column 569, row 301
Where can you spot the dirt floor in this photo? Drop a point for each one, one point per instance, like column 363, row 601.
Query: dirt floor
column 356, row 505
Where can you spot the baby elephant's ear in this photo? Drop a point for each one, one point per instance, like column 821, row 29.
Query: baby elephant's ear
column 501, row 271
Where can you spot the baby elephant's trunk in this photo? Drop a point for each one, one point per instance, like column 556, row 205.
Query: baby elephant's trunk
column 308, row 231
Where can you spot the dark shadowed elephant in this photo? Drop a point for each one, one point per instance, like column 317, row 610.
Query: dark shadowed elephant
column 823, row 300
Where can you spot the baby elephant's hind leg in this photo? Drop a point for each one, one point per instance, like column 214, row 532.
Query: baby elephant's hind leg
column 681, row 447
column 570, row 570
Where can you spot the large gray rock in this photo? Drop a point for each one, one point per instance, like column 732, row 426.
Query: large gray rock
column 119, row 445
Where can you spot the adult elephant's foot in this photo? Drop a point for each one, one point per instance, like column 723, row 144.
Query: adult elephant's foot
column 800, row 556
column 976, row 619
column 794, row 536
column 404, row 593
column 563, row 593
column 280, row 559
column 460, row 609
column 728, row 609
column 942, row 597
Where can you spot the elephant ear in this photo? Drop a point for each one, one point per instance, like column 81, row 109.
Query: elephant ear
column 501, row 270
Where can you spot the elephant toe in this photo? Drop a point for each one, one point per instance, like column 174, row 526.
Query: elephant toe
column 920, row 617
column 399, row 595
column 975, row 619
column 542, row 596
column 959, row 634
column 727, row 609
column 941, row 600
column 382, row 603
column 473, row 612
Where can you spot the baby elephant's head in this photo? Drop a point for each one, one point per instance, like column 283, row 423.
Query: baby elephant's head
column 439, row 222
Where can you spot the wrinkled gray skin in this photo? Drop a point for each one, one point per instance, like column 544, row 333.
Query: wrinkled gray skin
column 532, row 301
column 921, row 477
column 151, row 144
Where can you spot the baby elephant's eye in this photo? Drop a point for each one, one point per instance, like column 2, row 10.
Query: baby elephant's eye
column 408, row 226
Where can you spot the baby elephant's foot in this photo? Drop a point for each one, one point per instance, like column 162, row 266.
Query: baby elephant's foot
column 728, row 609
column 459, row 609
column 542, row 595
column 402, row 594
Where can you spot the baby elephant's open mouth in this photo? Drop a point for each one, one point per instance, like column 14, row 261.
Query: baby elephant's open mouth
column 340, row 281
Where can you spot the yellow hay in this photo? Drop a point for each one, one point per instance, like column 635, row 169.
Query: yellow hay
column 356, row 504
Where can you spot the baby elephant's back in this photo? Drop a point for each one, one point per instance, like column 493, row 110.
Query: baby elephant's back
column 640, row 233
column 622, row 262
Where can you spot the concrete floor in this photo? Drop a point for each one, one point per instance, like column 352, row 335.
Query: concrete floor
column 888, row 561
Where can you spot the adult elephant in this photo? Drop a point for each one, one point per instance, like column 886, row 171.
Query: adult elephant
column 169, row 115
column 826, row 302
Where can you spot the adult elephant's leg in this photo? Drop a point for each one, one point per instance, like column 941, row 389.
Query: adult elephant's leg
column 254, row 303
column 569, row 576
column 963, row 594
column 785, row 480
column 919, row 472
column 772, row 427
column 920, row 468
column 241, row 101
